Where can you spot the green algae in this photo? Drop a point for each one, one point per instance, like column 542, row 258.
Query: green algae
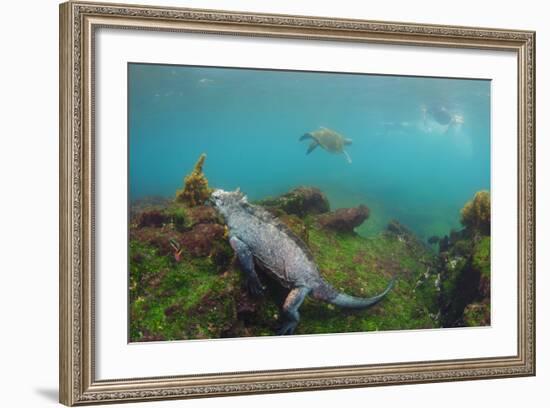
column 191, row 299
column 477, row 314
column 476, row 214
column 201, row 294
column 178, row 216
column 362, row 267
column 166, row 297
column 482, row 257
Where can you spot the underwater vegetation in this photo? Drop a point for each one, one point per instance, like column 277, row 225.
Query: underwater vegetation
column 476, row 214
column 300, row 201
column 195, row 186
column 185, row 281
column 465, row 267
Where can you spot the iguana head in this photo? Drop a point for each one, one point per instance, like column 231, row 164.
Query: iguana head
column 226, row 201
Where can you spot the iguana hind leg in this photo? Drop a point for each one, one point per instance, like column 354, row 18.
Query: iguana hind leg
column 246, row 260
column 290, row 309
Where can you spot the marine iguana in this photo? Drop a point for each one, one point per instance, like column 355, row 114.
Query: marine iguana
column 257, row 237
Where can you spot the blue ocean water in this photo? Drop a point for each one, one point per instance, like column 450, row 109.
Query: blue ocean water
column 421, row 146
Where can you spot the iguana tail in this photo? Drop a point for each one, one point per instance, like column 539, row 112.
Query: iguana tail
column 329, row 294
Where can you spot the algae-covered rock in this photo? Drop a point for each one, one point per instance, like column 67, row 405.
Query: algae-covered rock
column 362, row 266
column 296, row 225
column 195, row 190
column 183, row 218
column 344, row 219
column 459, row 288
column 465, row 266
column 300, row 201
column 199, row 240
column 476, row 214
column 477, row 314
column 397, row 229
column 158, row 238
column 201, row 293
column 148, row 203
column 482, row 262
column 178, row 216
column 152, row 218
column 202, row 215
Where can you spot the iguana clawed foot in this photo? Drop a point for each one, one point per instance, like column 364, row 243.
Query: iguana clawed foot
column 293, row 301
column 287, row 328
column 254, row 287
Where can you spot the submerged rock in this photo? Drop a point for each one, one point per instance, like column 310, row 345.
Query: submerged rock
column 477, row 314
column 158, row 238
column 199, row 241
column 344, row 219
column 202, row 294
column 395, row 227
column 401, row 232
column 202, row 215
column 301, row 201
column 152, row 218
column 199, row 293
column 139, row 206
column 297, row 225
column 476, row 214
column 434, row 239
column 482, row 263
column 465, row 265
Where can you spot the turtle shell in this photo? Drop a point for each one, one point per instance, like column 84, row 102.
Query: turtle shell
column 329, row 139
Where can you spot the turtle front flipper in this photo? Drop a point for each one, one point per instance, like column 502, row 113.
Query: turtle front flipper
column 312, row 146
column 306, row 136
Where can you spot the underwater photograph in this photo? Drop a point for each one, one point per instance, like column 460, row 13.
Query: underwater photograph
column 275, row 202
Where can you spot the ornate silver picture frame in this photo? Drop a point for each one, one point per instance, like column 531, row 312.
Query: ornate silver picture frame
column 79, row 25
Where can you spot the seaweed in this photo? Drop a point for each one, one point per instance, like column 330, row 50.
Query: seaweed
column 203, row 295
column 476, row 214
column 195, row 191
column 186, row 284
column 465, row 266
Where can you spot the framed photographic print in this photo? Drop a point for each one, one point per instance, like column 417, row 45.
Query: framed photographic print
column 256, row 203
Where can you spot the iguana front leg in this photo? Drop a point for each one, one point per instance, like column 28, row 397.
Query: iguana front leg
column 246, row 260
column 290, row 309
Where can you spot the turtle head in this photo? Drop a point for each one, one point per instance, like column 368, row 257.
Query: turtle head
column 224, row 201
column 347, row 141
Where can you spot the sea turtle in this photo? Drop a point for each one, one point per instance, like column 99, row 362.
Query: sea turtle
column 329, row 140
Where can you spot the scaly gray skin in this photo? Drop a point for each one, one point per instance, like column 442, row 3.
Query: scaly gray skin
column 259, row 238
